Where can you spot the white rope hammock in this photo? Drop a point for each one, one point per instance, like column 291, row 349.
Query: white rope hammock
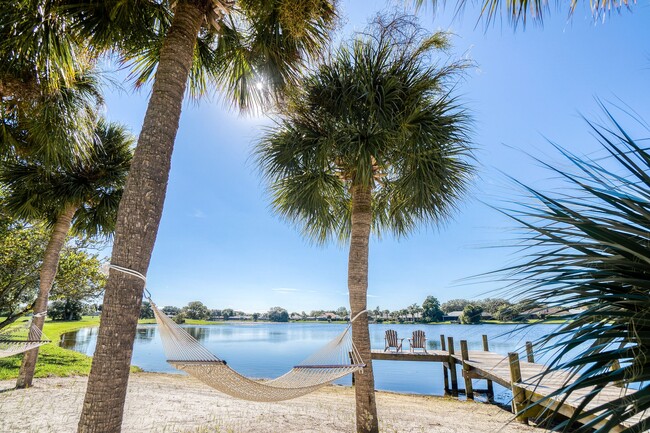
column 336, row 359
column 21, row 338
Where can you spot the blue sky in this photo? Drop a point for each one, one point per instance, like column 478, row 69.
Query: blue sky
column 219, row 242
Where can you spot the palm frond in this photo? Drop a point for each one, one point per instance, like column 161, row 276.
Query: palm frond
column 39, row 191
column 588, row 252
column 520, row 12
column 378, row 113
column 36, row 45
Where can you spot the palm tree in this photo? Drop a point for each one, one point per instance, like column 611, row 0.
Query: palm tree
column 374, row 142
column 250, row 50
column 79, row 198
column 588, row 253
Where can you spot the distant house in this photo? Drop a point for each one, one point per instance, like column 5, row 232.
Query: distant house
column 328, row 316
column 452, row 316
column 295, row 316
column 545, row 312
column 486, row 316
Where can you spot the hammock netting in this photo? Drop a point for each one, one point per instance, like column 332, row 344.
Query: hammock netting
column 20, row 338
column 336, row 359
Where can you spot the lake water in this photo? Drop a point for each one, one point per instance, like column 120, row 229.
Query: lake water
column 267, row 350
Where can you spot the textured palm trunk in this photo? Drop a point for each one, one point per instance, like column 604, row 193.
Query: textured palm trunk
column 137, row 225
column 47, row 274
column 364, row 383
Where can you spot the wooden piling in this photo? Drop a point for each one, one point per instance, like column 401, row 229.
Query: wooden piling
column 490, row 387
column 529, row 352
column 452, row 367
column 464, row 353
column 445, row 373
column 518, row 393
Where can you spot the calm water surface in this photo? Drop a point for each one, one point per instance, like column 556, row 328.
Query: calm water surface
column 267, row 350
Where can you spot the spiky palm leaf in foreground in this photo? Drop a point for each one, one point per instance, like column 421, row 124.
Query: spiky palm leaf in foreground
column 589, row 249
column 373, row 142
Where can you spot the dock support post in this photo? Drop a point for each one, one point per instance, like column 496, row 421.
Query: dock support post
column 518, row 393
column 452, row 367
column 490, row 387
column 445, row 374
column 351, row 362
column 469, row 390
column 529, row 352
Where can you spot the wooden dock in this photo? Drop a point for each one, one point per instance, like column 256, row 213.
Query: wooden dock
column 522, row 377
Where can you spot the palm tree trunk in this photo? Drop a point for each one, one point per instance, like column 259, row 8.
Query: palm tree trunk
column 364, row 383
column 47, row 274
column 137, row 225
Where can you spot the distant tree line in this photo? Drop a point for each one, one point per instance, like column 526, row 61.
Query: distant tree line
column 431, row 311
column 196, row 310
column 471, row 311
column 72, row 306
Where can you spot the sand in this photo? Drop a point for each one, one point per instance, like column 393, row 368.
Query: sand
column 175, row 404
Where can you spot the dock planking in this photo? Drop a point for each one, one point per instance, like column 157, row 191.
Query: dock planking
column 429, row 356
column 529, row 385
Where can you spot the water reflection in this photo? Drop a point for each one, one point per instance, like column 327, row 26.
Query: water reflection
column 145, row 334
column 199, row 333
column 82, row 340
column 266, row 350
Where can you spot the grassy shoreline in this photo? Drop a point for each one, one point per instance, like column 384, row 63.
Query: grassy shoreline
column 52, row 359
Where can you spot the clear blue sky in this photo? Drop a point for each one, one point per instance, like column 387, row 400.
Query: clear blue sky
column 219, row 243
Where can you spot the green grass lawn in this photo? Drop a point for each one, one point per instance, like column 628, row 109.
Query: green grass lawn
column 53, row 360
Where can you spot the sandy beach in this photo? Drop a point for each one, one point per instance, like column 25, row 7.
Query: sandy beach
column 180, row 404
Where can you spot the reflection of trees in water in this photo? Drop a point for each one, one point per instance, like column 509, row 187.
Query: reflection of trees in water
column 78, row 340
column 278, row 336
column 199, row 333
column 145, row 335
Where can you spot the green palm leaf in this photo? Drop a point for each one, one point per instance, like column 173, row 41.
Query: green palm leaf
column 588, row 251
column 38, row 191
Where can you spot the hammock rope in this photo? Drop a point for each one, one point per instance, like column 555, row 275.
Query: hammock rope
column 22, row 338
column 336, row 359
column 333, row 361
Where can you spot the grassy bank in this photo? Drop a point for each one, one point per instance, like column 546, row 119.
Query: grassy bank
column 53, row 360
